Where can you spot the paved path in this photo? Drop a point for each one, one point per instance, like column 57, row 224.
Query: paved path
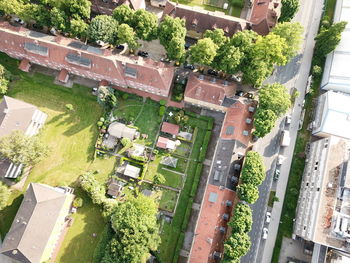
column 295, row 74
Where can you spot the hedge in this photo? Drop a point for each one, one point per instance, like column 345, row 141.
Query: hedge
column 106, row 236
column 196, row 179
column 191, row 114
column 187, row 214
column 210, row 124
column 178, row 248
column 205, row 144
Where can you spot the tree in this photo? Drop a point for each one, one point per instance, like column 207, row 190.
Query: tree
column 274, row 97
column 176, row 49
column 328, row 39
column 228, row 59
column 248, row 193
column 123, row 14
column 264, row 121
column 158, row 179
column 255, row 71
column 11, row 7
column 21, row 149
column 172, row 33
column 103, row 28
column 270, row 49
column 145, row 24
column 203, row 52
column 74, row 8
column 292, row 33
column 236, row 247
column 317, row 71
column 59, row 19
column 78, row 28
column 288, row 10
column 244, row 40
column 218, row 37
column 4, row 195
column 253, row 171
column 136, row 230
column 4, row 79
column 180, row 117
column 125, row 34
column 37, row 13
column 241, row 221
column 96, row 190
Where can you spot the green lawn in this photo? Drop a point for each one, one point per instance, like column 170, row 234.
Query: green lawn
column 168, row 200
column 183, row 149
column 205, row 6
column 144, row 115
column 171, row 179
column 71, row 137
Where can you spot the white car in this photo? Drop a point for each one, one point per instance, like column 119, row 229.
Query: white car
column 288, row 119
column 268, row 217
column 265, row 232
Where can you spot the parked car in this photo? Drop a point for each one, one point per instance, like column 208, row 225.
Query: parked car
column 276, row 174
column 143, row 54
column 120, row 47
column 268, row 217
column 280, row 159
column 18, row 20
column 188, row 66
column 237, row 78
column 213, row 72
column 240, row 93
column 288, row 119
column 165, row 60
column 265, row 233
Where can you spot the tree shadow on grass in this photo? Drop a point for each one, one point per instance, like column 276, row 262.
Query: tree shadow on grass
column 7, row 215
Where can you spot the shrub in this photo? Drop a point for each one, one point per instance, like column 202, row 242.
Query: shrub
column 69, row 107
column 125, row 96
column 162, row 102
column 78, row 202
column 161, row 110
column 205, row 144
column 210, row 124
column 99, row 123
column 196, row 179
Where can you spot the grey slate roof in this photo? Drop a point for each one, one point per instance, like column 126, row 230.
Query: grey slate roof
column 33, row 224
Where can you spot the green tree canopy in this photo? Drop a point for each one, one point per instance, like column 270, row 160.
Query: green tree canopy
column 328, row 39
column 145, row 24
column 244, row 40
column 136, row 230
column 236, row 247
column 36, row 13
column 274, row 97
column 255, row 71
column 59, row 19
column 203, row 52
column 11, row 7
column 4, row 79
column 264, row 121
column 4, row 195
column 241, row 221
column 172, row 33
column 292, row 33
column 270, row 49
column 288, row 10
column 253, row 171
column 218, row 37
column 103, row 28
column 78, row 28
column 74, row 8
column 20, row 148
column 248, row 193
column 123, row 14
column 228, row 59
column 125, row 34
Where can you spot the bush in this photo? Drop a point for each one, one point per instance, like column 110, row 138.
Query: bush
column 205, row 144
column 99, row 123
column 210, row 124
column 237, row 3
column 187, row 214
column 78, row 202
column 161, row 110
column 69, row 107
column 316, row 71
column 197, row 177
column 162, row 102
column 125, row 96
column 191, row 114
column 105, row 237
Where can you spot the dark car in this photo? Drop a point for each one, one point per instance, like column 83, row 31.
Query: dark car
column 213, row 72
column 239, row 93
column 189, row 66
column 187, row 46
column 120, row 47
column 142, row 54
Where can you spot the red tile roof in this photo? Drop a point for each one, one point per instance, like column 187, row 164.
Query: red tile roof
column 208, row 91
column 208, row 237
column 238, row 120
column 200, row 20
column 264, row 15
column 162, row 142
column 170, row 128
column 93, row 63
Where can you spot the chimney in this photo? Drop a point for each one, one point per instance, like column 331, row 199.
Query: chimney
column 201, row 77
column 213, row 80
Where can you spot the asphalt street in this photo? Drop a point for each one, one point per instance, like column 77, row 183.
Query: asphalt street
column 294, row 74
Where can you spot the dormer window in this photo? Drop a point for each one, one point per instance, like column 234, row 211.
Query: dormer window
column 130, row 72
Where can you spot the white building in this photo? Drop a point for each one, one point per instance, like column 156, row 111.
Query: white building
column 332, row 115
column 323, row 213
column 337, row 68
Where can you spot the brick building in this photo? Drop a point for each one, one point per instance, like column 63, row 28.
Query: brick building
column 73, row 57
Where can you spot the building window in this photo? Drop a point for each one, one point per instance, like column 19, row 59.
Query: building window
column 36, row 49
